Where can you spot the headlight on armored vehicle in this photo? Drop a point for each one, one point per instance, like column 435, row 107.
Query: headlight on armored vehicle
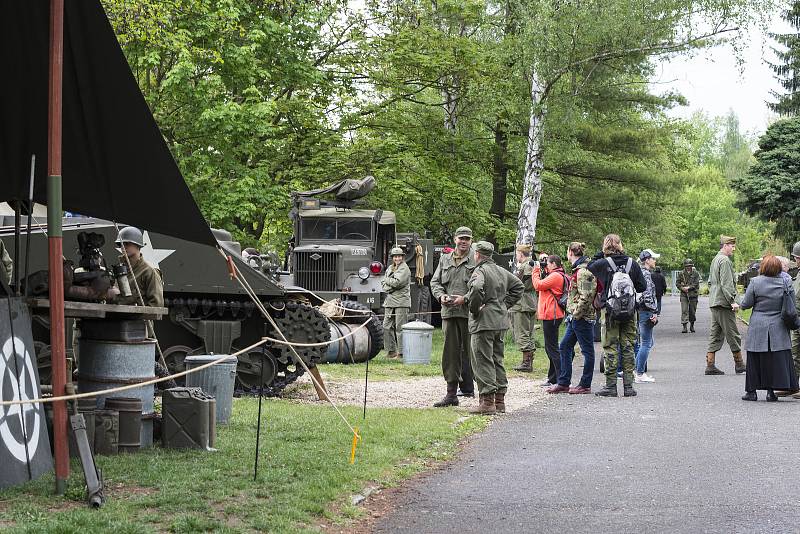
column 363, row 273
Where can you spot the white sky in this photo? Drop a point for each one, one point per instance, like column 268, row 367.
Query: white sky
column 713, row 82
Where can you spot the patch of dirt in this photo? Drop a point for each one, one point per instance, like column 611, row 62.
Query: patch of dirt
column 419, row 392
column 125, row 491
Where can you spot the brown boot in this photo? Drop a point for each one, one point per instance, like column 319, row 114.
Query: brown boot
column 486, row 406
column 450, row 399
column 500, row 400
column 711, row 369
column 741, row 367
column 527, row 363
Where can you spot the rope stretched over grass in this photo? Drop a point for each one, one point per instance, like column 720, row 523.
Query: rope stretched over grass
column 74, row 396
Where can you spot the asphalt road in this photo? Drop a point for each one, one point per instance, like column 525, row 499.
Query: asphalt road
column 685, row 455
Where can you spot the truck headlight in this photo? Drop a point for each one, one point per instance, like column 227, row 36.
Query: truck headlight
column 363, row 273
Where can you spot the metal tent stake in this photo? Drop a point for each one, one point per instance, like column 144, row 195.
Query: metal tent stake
column 366, row 383
column 258, row 428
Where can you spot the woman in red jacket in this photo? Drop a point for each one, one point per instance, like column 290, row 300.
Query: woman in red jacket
column 550, row 287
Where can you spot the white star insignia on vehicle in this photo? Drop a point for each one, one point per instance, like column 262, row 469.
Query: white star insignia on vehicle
column 154, row 256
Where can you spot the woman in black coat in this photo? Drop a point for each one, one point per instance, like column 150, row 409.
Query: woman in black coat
column 768, row 344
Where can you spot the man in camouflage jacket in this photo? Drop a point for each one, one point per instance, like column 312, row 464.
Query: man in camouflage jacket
column 580, row 321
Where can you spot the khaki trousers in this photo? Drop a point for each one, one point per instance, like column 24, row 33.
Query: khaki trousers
column 724, row 328
column 393, row 323
column 487, row 361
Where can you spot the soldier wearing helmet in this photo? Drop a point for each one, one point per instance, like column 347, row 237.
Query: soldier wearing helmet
column 397, row 286
column 688, row 283
column 143, row 277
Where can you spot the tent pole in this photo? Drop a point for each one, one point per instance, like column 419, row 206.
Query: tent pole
column 55, row 249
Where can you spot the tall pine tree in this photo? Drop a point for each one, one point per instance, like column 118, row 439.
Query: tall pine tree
column 787, row 69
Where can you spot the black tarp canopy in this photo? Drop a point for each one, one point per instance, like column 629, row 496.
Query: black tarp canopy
column 115, row 163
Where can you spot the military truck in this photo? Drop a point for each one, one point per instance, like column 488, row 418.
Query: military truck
column 340, row 250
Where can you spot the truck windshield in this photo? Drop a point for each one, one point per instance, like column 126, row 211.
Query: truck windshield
column 327, row 228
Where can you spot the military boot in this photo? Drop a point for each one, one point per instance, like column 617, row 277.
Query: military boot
column 711, row 369
column 610, row 390
column 527, row 363
column 486, row 405
column 691, row 327
column 629, row 392
column 500, row 400
column 450, row 399
column 741, row 367
column 684, row 331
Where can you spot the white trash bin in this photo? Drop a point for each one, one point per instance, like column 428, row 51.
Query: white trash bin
column 417, row 342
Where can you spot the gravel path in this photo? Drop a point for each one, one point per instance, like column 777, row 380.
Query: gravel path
column 409, row 393
column 685, row 455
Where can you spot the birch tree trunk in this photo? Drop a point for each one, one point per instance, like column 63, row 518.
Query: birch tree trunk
column 534, row 165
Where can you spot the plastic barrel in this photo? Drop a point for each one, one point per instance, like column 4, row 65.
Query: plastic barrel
column 109, row 364
column 217, row 380
column 417, row 342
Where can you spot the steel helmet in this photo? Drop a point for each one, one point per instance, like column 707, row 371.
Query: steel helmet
column 796, row 249
column 397, row 251
column 130, row 234
column 687, row 262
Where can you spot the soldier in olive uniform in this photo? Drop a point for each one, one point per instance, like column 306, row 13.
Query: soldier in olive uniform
column 796, row 333
column 143, row 277
column 722, row 300
column 397, row 286
column 449, row 285
column 7, row 263
column 523, row 313
column 688, row 283
column 491, row 290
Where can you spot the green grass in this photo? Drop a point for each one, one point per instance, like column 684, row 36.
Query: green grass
column 381, row 368
column 304, row 474
column 744, row 315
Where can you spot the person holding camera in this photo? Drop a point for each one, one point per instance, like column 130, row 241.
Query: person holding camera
column 448, row 286
column 523, row 313
column 648, row 317
column 551, row 283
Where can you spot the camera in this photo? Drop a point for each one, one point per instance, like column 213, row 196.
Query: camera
column 543, row 264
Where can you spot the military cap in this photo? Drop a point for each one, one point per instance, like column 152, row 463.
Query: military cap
column 463, row 231
column 526, row 249
column 484, row 248
column 796, row 249
column 727, row 240
column 397, row 251
column 687, row 262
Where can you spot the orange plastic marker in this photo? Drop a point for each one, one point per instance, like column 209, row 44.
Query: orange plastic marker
column 356, row 439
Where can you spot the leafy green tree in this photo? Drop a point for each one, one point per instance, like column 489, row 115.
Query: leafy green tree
column 787, row 70
column 771, row 188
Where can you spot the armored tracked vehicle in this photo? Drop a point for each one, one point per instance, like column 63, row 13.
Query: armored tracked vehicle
column 210, row 313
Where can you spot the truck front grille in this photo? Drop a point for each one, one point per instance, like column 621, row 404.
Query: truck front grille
column 315, row 270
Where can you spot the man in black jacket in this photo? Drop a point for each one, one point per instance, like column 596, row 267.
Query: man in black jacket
column 620, row 334
column 661, row 286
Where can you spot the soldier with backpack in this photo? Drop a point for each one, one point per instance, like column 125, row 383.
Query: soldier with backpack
column 621, row 278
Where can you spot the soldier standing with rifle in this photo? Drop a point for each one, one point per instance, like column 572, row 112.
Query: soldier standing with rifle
column 449, row 285
column 491, row 290
column 722, row 300
column 523, row 313
column 688, row 282
column 145, row 280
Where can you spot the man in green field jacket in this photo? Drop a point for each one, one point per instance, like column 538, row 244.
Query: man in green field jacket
column 688, row 283
column 449, row 285
column 722, row 301
column 491, row 290
column 523, row 313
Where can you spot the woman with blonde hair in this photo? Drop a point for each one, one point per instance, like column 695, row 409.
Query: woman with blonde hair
column 768, row 343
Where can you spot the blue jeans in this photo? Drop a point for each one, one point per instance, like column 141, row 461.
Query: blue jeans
column 644, row 341
column 582, row 332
